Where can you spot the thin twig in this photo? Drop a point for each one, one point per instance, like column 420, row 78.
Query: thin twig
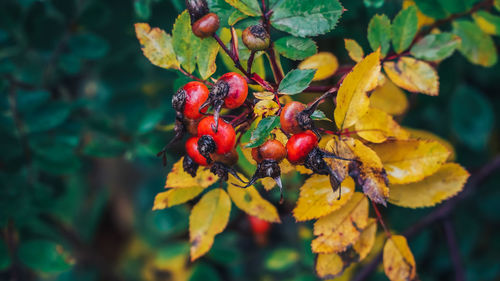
column 381, row 220
column 451, row 239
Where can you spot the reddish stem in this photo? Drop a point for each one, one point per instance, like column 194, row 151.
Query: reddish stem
column 195, row 78
column 381, row 220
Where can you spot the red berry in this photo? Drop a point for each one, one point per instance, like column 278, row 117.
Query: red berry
column 206, row 26
column 299, row 146
column 288, row 117
column 192, row 151
column 270, row 150
column 224, row 138
column 196, row 95
column 237, row 91
column 259, row 226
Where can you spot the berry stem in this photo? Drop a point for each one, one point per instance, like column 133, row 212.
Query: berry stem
column 194, row 77
column 277, row 71
column 250, row 62
column 381, row 220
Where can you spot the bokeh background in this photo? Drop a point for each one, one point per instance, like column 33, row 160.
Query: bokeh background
column 83, row 114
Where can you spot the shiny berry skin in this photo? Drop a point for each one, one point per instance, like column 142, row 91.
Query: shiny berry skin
column 256, row 38
column 192, row 151
column 270, row 150
column 288, row 117
column 237, row 91
column 299, row 146
column 259, row 226
column 225, row 137
column 206, row 26
column 196, row 94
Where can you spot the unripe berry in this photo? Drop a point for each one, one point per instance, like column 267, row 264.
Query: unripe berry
column 192, row 151
column 206, row 26
column 256, row 38
column 224, row 138
column 288, row 117
column 270, row 150
column 299, row 146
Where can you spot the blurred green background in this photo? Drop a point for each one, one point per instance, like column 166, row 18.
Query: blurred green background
column 83, row 115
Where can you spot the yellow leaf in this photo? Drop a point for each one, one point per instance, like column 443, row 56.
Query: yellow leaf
column 376, row 126
column 266, row 108
column 317, row 198
column 389, row 98
column 354, row 49
column 175, row 196
column 366, row 241
column 339, row 167
column 208, row 218
column 407, row 161
column 448, row 181
column 422, row 19
column 341, row 228
column 399, row 264
column 352, row 101
column 326, row 64
column 303, row 170
column 413, row 75
column 485, row 24
column 156, row 45
column 371, row 175
column 264, row 95
column 329, row 266
column 425, row 135
column 249, row 200
column 178, row 178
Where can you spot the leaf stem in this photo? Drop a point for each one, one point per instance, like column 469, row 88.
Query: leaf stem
column 381, row 220
column 194, row 77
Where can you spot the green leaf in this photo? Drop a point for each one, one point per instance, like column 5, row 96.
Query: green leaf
column 47, row 117
column 488, row 23
column 354, row 50
column 436, row 47
column 404, row 29
column 296, row 48
column 209, row 48
column 379, row 33
column 296, row 81
column 475, row 127
column 186, row 44
column 440, row 9
column 88, row 46
column 477, row 46
column 235, row 17
column 306, row 18
column 142, row 9
column 222, row 9
column 264, row 128
column 204, row 272
column 44, row 256
column 247, row 7
column 29, row 100
column 5, row 259
column 319, row 115
column 496, row 3
column 282, row 259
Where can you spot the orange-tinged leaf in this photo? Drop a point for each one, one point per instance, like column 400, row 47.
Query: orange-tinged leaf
column 317, row 199
column 266, row 108
column 407, row 161
column 448, row 181
column 325, row 63
column 399, row 263
column 342, row 228
column 249, row 200
column 156, row 45
column 413, row 75
column 426, row 135
column 389, row 98
column 208, row 218
column 175, row 196
column 354, row 50
column 177, row 178
column 371, row 175
column 352, row 101
column 376, row 126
